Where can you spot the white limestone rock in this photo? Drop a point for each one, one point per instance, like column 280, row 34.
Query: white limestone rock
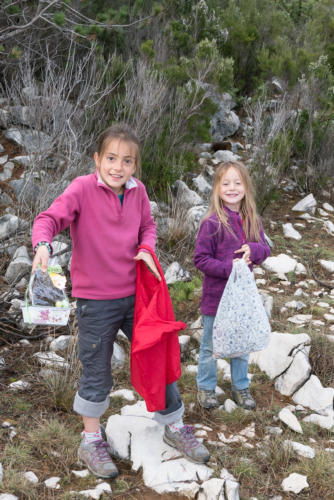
column 300, row 269
column 300, row 319
column 175, row 272
column 322, row 212
column 301, row 449
column 51, row 359
column 212, row 489
column 329, row 226
column 191, row 368
column 289, row 419
column 290, row 232
column 21, row 262
column 225, row 474
column 61, row 260
column 31, row 477
column 278, row 356
column 8, row 496
column 324, row 305
column 296, row 375
column 268, row 302
column 194, row 216
column 277, row 431
column 314, row 396
column 185, row 196
column 184, row 343
column 328, row 207
column 306, row 204
column 118, row 357
column 123, row 393
column 295, row 304
column 224, row 366
column 323, row 421
column 31, row 140
column 154, row 208
column 249, row 431
column 19, row 385
column 81, row 473
column 7, row 171
column 202, row 185
column 225, row 156
column 52, row 482
column 196, row 329
column 280, row 264
column 134, row 435
column 97, row 492
column 230, row 405
column 61, row 343
column 329, row 317
column 231, row 490
column 295, row 483
column 1, row 472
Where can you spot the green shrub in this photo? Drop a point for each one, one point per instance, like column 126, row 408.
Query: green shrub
column 59, row 17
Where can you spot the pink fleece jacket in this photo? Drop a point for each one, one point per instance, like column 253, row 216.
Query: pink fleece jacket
column 105, row 235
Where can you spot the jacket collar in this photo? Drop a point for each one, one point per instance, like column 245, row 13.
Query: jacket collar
column 229, row 211
column 130, row 184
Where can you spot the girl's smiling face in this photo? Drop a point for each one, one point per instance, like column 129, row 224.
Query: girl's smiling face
column 117, row 163
column 231, row 189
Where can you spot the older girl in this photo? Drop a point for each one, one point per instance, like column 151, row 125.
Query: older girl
column 109, row 216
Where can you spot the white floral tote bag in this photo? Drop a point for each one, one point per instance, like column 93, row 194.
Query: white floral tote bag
column 241, row 324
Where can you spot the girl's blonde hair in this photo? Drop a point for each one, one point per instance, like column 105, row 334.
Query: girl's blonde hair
column 125, row 133
column 248, row 212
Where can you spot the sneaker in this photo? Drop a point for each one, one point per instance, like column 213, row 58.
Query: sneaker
column 244, row 399
column 187, row 444
column 96, row 456
column 207, row 399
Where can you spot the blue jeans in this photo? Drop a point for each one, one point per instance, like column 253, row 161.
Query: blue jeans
column 207, row 366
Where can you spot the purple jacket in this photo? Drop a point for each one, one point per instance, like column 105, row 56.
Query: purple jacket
column 214, row 253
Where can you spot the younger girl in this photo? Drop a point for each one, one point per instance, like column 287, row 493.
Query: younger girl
column 231, row 230
column 109, row 216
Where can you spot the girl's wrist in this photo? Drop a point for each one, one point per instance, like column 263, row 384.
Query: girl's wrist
column 43, row 243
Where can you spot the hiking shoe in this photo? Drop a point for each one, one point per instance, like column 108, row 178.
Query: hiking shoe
column 207, row 399
column 96, row 456
column 244, row 399
column 185, row 441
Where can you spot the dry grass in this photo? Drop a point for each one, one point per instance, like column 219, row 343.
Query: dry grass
column 322, row 359
column 48, row 432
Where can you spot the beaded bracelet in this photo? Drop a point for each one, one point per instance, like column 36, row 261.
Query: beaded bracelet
column 48, row 246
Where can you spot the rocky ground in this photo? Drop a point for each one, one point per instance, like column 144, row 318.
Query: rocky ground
column 283, row 449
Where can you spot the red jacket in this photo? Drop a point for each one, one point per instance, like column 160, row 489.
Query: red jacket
column 155, row 349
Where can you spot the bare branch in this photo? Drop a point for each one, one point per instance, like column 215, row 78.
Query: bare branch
column 19, row 29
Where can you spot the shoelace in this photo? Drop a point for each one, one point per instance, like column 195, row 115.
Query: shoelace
column 245, row 393
column 101, row 448
column 189, row 440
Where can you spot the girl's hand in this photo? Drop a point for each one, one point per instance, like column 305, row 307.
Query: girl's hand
column 245, row 249
column 42, row 258
column 148, row 259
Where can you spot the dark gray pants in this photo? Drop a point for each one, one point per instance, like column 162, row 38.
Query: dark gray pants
column 99, row 322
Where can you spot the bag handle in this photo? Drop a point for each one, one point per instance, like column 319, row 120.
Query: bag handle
column 238, row 269
column 32, row 276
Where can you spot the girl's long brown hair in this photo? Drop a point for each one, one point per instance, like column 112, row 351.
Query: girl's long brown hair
column 248, row 212
column 125, row 133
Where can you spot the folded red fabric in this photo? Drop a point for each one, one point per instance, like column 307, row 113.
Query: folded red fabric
column 155, row 349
